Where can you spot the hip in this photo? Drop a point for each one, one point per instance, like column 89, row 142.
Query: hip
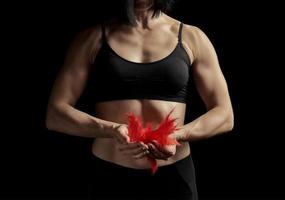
column 175, row 181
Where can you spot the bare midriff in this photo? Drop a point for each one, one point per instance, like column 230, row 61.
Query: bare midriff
column 149, row 111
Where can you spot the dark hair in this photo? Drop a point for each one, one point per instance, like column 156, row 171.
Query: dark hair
column 127, row 15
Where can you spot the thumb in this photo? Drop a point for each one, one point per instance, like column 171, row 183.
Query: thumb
column 174, row 136
column 125, row 137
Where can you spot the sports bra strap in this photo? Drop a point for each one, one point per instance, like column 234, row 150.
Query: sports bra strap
column 180, row 32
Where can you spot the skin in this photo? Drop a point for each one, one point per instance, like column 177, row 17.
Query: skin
column 136, row 44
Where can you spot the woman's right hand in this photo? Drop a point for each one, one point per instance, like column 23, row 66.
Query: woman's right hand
column 120, row 133
column 135, row 149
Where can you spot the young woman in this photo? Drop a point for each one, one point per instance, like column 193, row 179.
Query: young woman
column 140, row 63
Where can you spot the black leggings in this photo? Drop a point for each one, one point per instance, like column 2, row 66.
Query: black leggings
column 113, row 181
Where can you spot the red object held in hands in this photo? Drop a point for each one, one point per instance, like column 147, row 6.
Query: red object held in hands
column 138, row 133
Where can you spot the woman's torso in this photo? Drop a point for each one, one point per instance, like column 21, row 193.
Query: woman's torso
column 140, row 50
column 149, row 110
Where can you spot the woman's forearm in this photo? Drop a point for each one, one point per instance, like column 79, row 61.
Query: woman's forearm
column 215, row 121
column 67, row 119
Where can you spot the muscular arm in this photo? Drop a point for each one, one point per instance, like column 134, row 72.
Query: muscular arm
column 212, row 88
column 62, row 116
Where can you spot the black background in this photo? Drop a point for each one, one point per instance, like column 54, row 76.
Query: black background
column 246, row 163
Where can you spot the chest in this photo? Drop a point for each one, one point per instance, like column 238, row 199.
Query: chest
column 142, row 48
column 171, row 72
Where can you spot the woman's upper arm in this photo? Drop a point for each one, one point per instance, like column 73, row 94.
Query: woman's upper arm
column 73, row 75
column 207, row 74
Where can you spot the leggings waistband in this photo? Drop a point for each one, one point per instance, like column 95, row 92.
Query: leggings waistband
column 110, row 165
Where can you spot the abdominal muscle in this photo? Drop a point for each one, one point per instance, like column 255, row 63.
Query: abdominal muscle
column 149, row 111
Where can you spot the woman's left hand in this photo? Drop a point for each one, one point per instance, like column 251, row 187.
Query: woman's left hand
column 157, row 151
column 180, row 134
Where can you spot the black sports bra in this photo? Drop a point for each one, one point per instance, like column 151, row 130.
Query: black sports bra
column 115, row 78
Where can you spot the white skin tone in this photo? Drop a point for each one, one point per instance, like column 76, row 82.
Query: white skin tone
column 151, row 40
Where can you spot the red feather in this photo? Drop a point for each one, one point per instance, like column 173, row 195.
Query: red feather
column 145, row 134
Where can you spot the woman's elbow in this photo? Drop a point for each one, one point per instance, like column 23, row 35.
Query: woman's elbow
column 50, row 119
column 229, row 122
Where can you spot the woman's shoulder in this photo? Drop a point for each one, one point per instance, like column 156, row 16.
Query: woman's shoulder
column 194, row 36
column 193, row 31
column 188, row 29
column 87, row 40
column 197, row 41
column 89, row 34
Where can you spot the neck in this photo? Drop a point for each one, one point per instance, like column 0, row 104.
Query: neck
column 143, row 13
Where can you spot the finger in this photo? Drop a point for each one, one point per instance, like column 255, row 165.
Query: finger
column 154, row 149
column 141, row 155
column 144, row 145
column 120, row 140
column 134, row 152
column 156, row 144
column 165, row 152
column 151, row 155
column 174, row 136
column 124, row 138
column 131, row 146
column 122, row 134
column 156, row 152
column 138, row 150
